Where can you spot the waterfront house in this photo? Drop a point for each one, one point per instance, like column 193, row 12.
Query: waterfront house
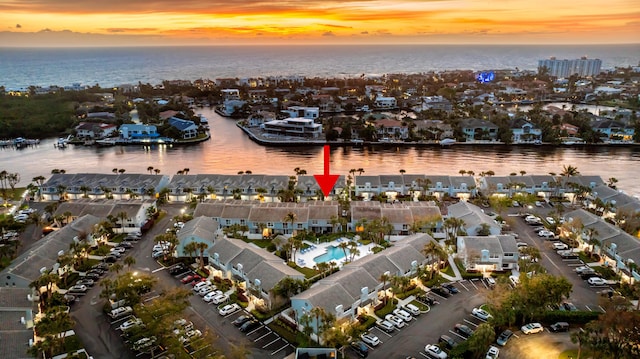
column 356, row 289
column 308, row 188
column 524, row 131
column 614, row 131
column 130, row 131
column 256, row 269
column 488, row 253
column 463, row 187
column 187, row 128
column 392, row 186
column 474, row 129
column 95, row 130
column 183, row 188
column 439, row 186
column 403, row 216
column 69, row 186
column 474, row 218
column 367, row 186
column 391, row 129
column 297, row 127
column 433, row 129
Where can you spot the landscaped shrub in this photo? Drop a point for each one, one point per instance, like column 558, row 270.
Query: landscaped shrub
column 410, row 292
column 391, row 305
column 577, row 317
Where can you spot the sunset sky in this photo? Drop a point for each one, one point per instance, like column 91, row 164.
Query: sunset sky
column 203, row 22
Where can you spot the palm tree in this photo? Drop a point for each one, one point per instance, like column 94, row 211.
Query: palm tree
column 121, row 171
column 185, row 171
column 129, row 261
column 462, row 172
column 290, row 218
column 150, row 169
column 201, row 247
column 156, row 171
column 116, row 268
column 569, row 171
column 123, row 216
column 191, row 248
column 39, row 180
column 384, row 278
column 435, row 251
column 344, row 246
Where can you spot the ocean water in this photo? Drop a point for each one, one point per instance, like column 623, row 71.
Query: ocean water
column 20, row 67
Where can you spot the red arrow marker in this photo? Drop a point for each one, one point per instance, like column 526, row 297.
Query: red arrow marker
column 326, row 181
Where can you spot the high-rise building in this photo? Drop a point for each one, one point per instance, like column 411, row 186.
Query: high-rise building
column 582, row 67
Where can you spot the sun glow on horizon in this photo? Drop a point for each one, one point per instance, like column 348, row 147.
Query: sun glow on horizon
column 188, row 22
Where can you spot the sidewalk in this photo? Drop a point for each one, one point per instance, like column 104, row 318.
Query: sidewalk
column 457, row 276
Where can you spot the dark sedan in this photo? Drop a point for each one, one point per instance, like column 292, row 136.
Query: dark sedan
column 450, row 287
column 249, row 325
column 441, row 292
column 463, row 330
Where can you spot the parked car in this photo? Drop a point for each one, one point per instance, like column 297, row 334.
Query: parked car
column 481, row 314
column 568, row 254
column 78, row 289
column 228, row 309
column 532, row 328
column 211, row 295
column 249, row 325
column 100, row 266
column 434, row 351
column 178, row 269
column 568, row 306
column 125, row 244
column 412, row 309
column 451, row 288
column 504, row 337
column 397, row 322
column 493, row 352
column 491, row 282
column 69, row 298
column 220, row 298
column 360, row 348
column 92, row 276
column 241, row 320
column 120, row 312
column 441, row 291
column 190, row 278
column 402, row 315
column 110, row 259
column 370, row 339
column 87, row 282
column 546, row 234
column 584, row 269
column 560, row 246
column 130, row 323
column 463, row 330
column 447, row 341
column 559, row 327
column 538, row 204
column 596, row 281
column 386, row 326
column 521, row 244
column 205, row 290
column 189, row 336
column 144, row 343
column 200, row 285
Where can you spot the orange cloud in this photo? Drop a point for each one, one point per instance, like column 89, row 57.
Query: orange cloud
column 394, row 21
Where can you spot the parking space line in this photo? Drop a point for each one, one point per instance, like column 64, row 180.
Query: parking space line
column 516, row 335
column 603, row 311
column 383, row 332
column 255, row 330
column 589, row 309
column 273, row 341
column 470, row 322
column 463, row 286
column 457, row 335
column 274, row 353
column 260, row 337
column 158, row 270
column 473, row 284
column 424, row 355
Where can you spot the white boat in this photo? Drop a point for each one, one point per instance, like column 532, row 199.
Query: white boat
column 447, row 142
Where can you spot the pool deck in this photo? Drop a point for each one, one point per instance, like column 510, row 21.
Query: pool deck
column 317, row 249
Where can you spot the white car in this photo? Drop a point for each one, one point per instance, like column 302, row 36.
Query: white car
column 220, row 298
column 120, row 312
column 481, row 314
column 144, row 343
column 532, row 328
column 205, row 290
column 560, row 246
column 415, row 311
column 370, row 339
column 434, row 351
column 551, row 220
column 538, row 204
column 399, row 323
column 402, row 315
column 131, row 323
column 200, row 285
column 228, row 309
column 188, row 336
column 596, row 281
column 546, row 234
column 211, row 295
column 493, row 352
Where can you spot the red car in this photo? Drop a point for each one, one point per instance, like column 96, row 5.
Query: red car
column 190, row 278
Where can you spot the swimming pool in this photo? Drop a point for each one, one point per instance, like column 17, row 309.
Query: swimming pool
column 333, row 254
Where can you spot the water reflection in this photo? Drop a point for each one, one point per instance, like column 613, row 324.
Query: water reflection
column 230, row 151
